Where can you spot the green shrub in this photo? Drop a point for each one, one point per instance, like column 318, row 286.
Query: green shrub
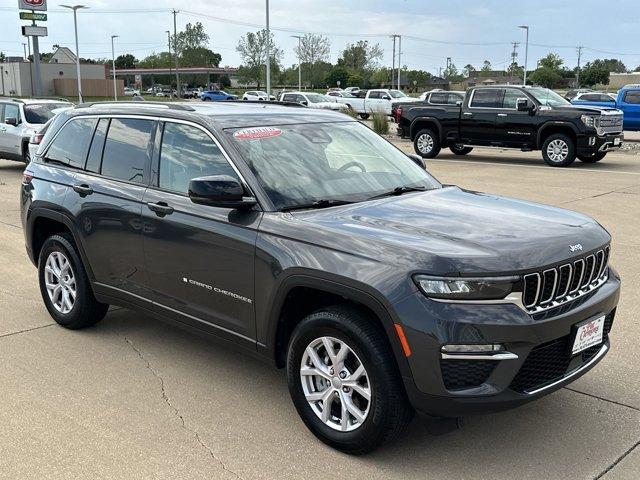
column 380, row 123
column 351, row 112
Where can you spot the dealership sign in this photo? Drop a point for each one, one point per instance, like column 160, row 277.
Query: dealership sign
column 42, row 17
column 32, row 5
column 34, row 31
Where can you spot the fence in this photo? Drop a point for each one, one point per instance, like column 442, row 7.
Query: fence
column 68, row 87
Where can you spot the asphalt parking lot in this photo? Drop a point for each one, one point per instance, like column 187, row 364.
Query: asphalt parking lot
column 135, row 398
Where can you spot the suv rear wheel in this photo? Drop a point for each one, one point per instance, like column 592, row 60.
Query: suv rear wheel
column 593, row 158
column 558, row 150
column 64, row 285
column 344, row 381
column 426, row 143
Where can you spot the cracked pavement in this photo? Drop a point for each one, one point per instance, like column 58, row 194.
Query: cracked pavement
column 133, row 398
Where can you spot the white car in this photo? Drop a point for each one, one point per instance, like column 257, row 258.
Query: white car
column 36, row 137
column 256, row 96
column 312, row 100
column 131, row 92
column 342, row 94
column 353, row 90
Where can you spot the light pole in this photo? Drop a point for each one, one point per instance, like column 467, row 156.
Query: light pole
column 268, row 42
column 526, row 51
column 169, row 44
column 75, row 9
column 113, row 69
column 299, row 62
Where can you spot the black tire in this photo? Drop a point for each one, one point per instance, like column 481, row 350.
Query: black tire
column 460, row 149
column 423, row 146
column 565, row 159
column 86, row 310
column 593, row 158
column 364, row 116
column 389, row 410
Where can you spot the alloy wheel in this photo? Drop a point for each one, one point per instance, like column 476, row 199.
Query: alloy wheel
column 60, row 282
column 425, row 143
column 558, row 150
column 335, row 383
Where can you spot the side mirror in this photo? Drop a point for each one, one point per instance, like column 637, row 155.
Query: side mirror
column 459, row 103
column 418, row 160
column 386, row 97
column 523, row 105
column 11, row 121
column 304, row 102
column 219, row 191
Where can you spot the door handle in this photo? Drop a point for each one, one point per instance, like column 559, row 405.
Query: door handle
column 83, row 189
column 502, row 114
column 468, row 114
column 161, row 208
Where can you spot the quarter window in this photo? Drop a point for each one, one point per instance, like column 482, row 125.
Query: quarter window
column 632, row 97
column 187, row 153
column 126, row 150
column 487, row 98
column 438, row 98
column 97, row 144
column 71, row 144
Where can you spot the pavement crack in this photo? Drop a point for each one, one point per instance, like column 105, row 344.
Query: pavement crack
column 604, row 399
column 27, row 330
column 617, row 461
column 167, row 400
column 621, row 190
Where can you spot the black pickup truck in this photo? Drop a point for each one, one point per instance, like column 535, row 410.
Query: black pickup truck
column 527, row 118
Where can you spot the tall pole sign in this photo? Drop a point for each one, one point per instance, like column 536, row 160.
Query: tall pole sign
column 34, row 31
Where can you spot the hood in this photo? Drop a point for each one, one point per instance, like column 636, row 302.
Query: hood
column 453, row 231
column 587, row 109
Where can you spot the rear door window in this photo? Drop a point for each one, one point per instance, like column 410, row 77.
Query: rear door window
column 632, row 97
column 487, row 98
column 127, row 149
column 11, row 111
column 71, row 143
column 375, row 95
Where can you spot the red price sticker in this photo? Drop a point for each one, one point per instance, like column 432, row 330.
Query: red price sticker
column 257, row 133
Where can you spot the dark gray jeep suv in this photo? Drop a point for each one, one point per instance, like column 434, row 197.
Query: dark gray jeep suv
column 303, row 237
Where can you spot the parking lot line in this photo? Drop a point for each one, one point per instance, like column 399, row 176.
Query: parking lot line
column 442, row 160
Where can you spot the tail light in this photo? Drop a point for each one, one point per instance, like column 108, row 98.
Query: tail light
column 36, row 138
column 398, row 114
column 27, row 176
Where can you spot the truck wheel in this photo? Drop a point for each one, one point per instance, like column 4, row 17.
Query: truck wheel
column 344, row 381
column 426, row 143
column 558, row 150
column 64, row 285
column 364, row 116
column 593, row 158
column 460, row 149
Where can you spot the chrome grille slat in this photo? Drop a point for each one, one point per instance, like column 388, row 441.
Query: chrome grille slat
column 555, row 286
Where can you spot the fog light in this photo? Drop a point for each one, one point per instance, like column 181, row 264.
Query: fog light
column 592, row 141
column 469, row 348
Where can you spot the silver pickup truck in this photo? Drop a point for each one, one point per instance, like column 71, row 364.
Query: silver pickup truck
column 376, row 100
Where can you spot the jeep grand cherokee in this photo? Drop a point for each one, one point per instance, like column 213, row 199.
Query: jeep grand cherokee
column 304, row 237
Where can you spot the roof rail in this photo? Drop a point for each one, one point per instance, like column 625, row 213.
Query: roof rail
column 169, row 106
column 259, row 104
column 632, row 85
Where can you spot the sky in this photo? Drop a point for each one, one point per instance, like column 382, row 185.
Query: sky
column 467, row 31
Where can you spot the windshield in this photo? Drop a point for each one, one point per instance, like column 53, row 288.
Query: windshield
column 396, row 94
column 307, row 163
column 346, row 95
column 261, row 93
column 547, row 97
column 41, row 112
column 316, row 97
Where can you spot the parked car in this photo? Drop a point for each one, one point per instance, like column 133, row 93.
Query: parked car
column 353, row 90
column 312, row 100
column 376, row 100
column 19, row 119
column 36, row 137
column 526, row 118
column 256, row 96
column 305, row 238
column 342, row 94
column 190, row 93
column 627, row 100
column 167, row 92
column 131, row 92
column 434, row 97
column 217, row 96
column 572, row 93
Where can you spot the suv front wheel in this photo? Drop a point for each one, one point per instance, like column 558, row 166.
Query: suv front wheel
column 64, row 285
column 344, row 381
column 558, row 150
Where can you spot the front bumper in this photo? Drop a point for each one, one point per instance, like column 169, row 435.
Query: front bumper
column 593, row 143
column 541, row 362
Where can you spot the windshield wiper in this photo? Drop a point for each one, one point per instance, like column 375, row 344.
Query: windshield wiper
column 398, row 191
column 324, row 203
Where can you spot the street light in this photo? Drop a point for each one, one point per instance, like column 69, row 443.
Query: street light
column 75, row 8
column 268, row 52
column 526, row 51
column 299, row 62
column 113, row 62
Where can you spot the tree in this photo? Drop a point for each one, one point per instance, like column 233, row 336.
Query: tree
column 451, row 74
column 546, row 77
column 613, row 65
column 420, row 77
column 359, row 57
column 468, row 70
column 337, row 74
column 126, row 61
column 380, row 77
column 593, row 73
column 551, row 61
column 486, row 66
column 312, row 51
column 252, row 47
column 2, row 57
column 193, row 36
column 515, row 70
column 355, row 80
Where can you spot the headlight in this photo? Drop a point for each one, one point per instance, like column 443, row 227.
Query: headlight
column 495, row 288
column 589, row 120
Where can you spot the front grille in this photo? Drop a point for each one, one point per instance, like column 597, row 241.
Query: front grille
column 556, row 286
column 550, row 361
column 462, row 374
column 610, row 124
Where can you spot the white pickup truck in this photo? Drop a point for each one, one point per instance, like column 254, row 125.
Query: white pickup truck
column 376, row 100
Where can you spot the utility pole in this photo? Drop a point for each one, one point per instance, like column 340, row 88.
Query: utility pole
column 169, row 45
column 514, row 55
column 268, row 45
column 393, row 64
column 299, row 62
column 399, row 58
column 175, row 50
column 113, row 68
column 578, row 71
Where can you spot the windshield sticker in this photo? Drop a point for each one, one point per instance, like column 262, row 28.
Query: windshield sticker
column 257, row 133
